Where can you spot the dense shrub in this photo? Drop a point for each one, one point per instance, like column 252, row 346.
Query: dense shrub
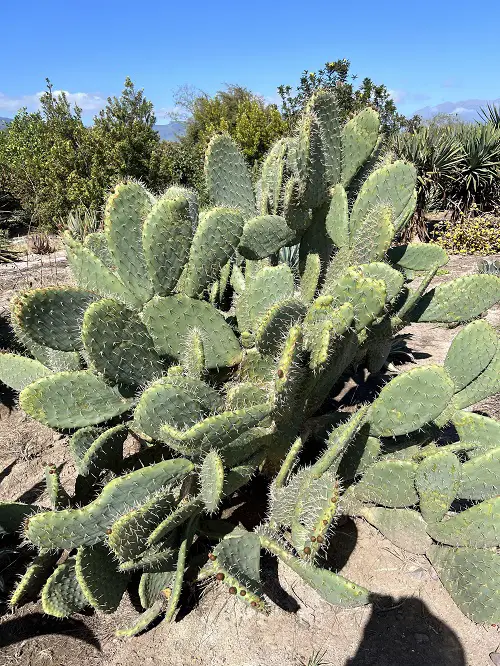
column 470, row 234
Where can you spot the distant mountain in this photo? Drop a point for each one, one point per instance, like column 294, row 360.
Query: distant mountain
column 4, row 122
column 467, row 109
column 172, row 131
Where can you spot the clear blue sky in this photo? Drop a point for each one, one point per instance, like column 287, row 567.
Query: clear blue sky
column 426, row 51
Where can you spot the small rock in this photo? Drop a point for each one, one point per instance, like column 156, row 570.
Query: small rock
column 422, row 638
column 495, row 658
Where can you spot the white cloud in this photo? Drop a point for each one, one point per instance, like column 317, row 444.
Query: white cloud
column 404, row 97
column 88, row 102
column 397, row 95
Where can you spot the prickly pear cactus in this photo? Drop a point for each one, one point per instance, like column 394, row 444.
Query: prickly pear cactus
column 185, row 332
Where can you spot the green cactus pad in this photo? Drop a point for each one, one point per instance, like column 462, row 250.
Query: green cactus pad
column 152, row 561
column 417, row 256
column 72, row 400
column 157, row 584
column 97, row 244
column 178, row 192
column 72, row 528
column 58, row 497
column 193, row 357
column 245, row 447
column 317, row 505
column 166, row 237
column 271, row 285
column 472, row 577
column 294, row 211
column 62, row 594
column 126, row 210
column 265, row 235
column 245, row 394
column 225, row 275
column 392, row 279
column 485, row 385
column 470, row 353
column 237, row 280
column 118, row 344
column 228, row 178
column 372, row 237
column 34, row 578
column 311, row 160
column 477, row 527
column 186, row 509
column 359, row 137
column 237, row 558
column 97, row 574
column 211, row 481
column 389, row 483
column 411, row 400
column 53, row 316
column 325, row 109
column 333, row 588
column 215, row 431
column 437, row 482
column 361, row 453
column 404, row 527
column 338, row 441
column 458, row 300
column 481, row 476
column 93, row 275
column 166, row 402
column 476, row 428
column 170, row 319
column 81, row 441
column 130, row 533
column 315, row 239
column 18, row 371
column 391, row 185
column 209, row 397
column 105, row 452
column 340, row 354
column 55, row 360
column 366, row 295
column 13, row 515
column 214, row 243
column 323, row 313
column 337, row 219
column 275, row 324
column 309, row 278
column 142, row 622
column 272, row 180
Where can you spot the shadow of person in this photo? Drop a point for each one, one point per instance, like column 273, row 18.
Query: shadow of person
column 404, row 632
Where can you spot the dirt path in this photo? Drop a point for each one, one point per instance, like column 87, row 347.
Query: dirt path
column 412, row 620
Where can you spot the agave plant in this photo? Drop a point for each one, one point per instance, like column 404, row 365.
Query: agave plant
column 186, row 331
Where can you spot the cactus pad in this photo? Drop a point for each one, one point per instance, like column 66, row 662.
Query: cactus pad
column 72, row 400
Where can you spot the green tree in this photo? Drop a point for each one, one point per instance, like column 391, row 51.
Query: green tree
column 254, row 124
column 351, row 98
column 46, row 160
column 124, row 135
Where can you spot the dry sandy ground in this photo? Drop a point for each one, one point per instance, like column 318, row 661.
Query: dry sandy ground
column 412, row 620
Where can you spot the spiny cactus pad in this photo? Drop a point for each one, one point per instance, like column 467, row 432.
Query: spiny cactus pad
column 188, row 335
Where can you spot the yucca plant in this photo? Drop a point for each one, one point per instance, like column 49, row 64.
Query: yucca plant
column 491, row 114
column 186, row 331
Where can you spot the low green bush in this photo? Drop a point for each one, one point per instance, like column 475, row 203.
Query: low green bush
column 470, row 234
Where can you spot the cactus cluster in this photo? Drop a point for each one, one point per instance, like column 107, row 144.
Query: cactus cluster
column 186, row 333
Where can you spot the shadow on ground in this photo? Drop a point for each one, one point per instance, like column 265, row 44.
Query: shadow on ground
column 404, row 632
column 22, row 628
